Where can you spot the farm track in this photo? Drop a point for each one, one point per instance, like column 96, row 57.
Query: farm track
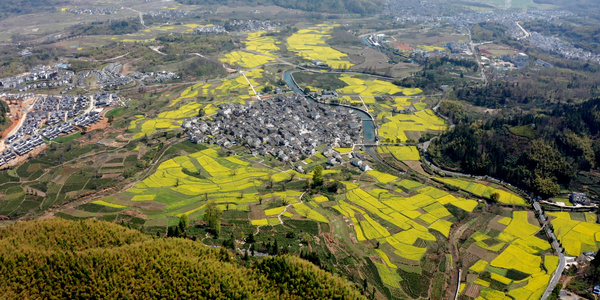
column 454, row 251
column 280, row 214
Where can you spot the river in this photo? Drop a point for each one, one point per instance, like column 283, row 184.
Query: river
column 369, row 132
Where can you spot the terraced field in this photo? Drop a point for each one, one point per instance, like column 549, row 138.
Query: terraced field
column 576, row 236
column 373, row 87
column 511, row 259
column 484, row 190
column 183, row 185
column 256, row 41
column 395, row 127
column 378, row 213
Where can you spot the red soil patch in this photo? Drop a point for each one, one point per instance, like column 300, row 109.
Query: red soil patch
column 472, row 291
column 14, row 121
column 16, row 110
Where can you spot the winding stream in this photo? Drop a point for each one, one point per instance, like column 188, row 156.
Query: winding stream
column 369, row 129
column 368, row 123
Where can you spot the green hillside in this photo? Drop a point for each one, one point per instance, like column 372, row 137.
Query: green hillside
column 60, row 259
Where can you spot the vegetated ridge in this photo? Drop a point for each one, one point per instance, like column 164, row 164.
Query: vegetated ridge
column 63, row 259
column 539, row 152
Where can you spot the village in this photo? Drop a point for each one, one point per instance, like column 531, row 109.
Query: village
column 48, row 116
column 285, row 127
column 52, row 76
column 58, row 75
column 239, row 26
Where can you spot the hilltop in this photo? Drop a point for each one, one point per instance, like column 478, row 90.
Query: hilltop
column 96, row 259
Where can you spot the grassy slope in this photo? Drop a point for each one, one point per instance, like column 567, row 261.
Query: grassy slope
column 93, row 259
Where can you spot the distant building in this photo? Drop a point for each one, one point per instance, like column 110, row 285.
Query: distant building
column 580, row 198
column 210, row 29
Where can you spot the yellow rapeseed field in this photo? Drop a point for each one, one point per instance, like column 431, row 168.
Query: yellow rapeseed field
column 395, row 127
column 310, row 44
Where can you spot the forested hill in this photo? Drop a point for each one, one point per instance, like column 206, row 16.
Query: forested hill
column 539, row 152
column 60, row 259
column 330, row 6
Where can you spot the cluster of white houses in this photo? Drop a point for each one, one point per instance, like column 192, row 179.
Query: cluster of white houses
column 39, row 76
column 60, row 114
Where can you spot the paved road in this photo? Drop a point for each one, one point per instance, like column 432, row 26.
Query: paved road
column 526, row 34
column 141, row 16
column 280, row 214
column 559, row 250
column 472, row 46
column 251, row 86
